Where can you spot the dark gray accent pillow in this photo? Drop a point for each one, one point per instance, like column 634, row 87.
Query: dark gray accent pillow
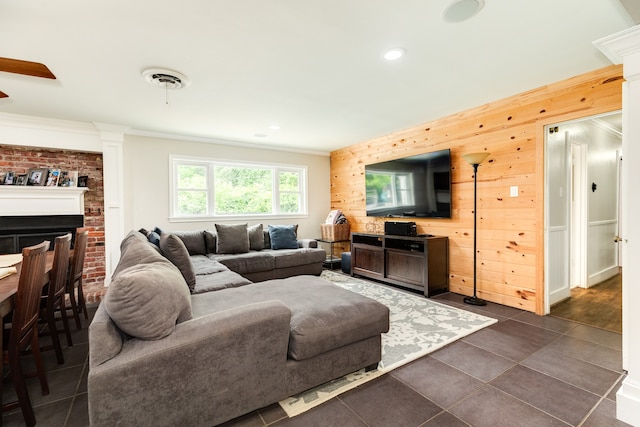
column 146, row 301
column 174, row 249
column 194, row 241
column 211, row 241
column 283, row 237
column 256, row 237
column 232, row 239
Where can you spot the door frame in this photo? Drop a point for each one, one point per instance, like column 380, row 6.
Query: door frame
column 579, row 217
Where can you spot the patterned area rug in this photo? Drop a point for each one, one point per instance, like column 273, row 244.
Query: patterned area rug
column 419, row 326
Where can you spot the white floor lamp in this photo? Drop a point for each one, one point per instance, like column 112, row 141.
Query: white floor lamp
column 474, row 160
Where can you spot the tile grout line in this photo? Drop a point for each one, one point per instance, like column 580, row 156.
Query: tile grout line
column 586, row 417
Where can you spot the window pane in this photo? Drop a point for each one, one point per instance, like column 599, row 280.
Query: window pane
column 289, row 203
column 193, row 177
column 289, row 181
column 192, row 202
column 243, row 190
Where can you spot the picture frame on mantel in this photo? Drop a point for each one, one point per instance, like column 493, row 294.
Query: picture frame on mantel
column 68, row 179
column 37, row 176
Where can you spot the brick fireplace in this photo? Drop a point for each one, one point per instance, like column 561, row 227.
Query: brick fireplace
column 19, row 160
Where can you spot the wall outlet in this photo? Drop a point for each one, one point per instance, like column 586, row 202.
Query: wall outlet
column 514, row 191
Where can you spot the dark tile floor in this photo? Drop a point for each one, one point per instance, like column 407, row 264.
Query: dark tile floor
column 66, row 404
column 524, row 370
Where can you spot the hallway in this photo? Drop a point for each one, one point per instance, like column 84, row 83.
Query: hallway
column 599, row 306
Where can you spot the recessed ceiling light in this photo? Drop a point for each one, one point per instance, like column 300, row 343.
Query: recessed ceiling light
column 394, row 54
column 461, row 10
column 274, row 127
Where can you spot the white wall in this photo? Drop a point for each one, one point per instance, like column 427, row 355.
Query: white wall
column 146, row 181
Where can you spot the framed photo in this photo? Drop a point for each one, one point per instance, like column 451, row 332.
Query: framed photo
column 83, row 180
column 68, row 179
column 37, row 176
column 9, row 178
column 21, row 179
column 53, row 177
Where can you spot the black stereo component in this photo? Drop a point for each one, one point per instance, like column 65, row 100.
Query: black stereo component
column 400, row 228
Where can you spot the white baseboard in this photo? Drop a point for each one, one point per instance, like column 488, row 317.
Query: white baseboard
column 628, row 402
column 602, row 275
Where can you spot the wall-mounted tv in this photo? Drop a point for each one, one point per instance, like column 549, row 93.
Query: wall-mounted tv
column 416, row 186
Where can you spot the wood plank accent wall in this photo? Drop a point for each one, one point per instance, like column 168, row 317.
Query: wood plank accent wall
column 510, row 230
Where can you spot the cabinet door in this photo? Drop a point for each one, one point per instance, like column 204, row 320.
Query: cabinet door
column 367, row 260
column 406, row 266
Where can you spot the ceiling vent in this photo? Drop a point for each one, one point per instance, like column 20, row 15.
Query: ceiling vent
column 166, row 79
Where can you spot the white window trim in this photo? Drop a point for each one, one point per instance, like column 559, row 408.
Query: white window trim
column 174, row 160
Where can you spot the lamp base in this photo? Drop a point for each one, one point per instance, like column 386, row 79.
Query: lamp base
column 474, row 300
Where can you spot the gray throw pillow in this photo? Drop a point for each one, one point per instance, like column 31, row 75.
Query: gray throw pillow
column 256, row 237
column 211, row 241
column 283, row 236
column 174, row 249
column 194, row 241
column 232, row 239
column 146, row 301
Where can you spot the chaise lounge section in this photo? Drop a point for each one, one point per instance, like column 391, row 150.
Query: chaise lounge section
column 160, row 355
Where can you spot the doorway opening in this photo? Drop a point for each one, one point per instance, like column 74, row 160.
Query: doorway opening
column 582, row 220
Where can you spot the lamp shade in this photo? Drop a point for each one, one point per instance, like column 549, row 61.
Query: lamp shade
column 475, row 158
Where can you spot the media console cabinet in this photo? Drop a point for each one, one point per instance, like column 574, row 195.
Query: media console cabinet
column 420, row 263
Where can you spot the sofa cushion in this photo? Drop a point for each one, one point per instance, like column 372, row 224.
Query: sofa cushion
column 283, row 237
column 250, row 262
column 147, row 300
column 232, row 239
column 175, row 250
column 256, row 237
column 136, row 249
column 202, row 264
column 194, row 241
column 286, row 258
column 323, row 316
column 220, row 280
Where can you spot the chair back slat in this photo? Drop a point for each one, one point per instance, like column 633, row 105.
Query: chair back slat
column 60, row 269
column 27, row 299
column 77, row 262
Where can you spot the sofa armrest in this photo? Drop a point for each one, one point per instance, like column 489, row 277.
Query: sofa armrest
column 210, row 369
column 307, row 243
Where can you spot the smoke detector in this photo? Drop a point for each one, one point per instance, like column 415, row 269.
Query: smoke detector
column 166, row 79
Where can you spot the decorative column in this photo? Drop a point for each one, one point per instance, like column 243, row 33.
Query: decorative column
column 624, row 48
column 112, row 137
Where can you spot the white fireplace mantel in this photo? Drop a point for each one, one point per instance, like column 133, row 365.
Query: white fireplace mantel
column 16, row 200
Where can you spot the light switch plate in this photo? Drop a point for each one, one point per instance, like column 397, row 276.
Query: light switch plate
column 514, row 191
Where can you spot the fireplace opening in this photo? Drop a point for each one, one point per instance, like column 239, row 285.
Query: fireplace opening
column 18, row 232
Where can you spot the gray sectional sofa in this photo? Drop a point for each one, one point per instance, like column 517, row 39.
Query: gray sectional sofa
column 215, row 255
column 161, row 354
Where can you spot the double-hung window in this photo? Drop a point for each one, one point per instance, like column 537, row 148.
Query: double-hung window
column 203, row 189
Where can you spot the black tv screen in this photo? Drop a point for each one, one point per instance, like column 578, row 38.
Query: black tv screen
column 416, row 186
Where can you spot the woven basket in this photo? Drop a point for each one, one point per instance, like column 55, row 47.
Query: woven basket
column 335, row 231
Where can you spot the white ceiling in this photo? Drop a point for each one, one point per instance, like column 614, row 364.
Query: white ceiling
column 312, row 67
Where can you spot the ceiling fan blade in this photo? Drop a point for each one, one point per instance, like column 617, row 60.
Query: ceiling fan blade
column 3, row 95
column 27, row 68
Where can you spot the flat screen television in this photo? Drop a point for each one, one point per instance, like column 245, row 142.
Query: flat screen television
column 416, row 186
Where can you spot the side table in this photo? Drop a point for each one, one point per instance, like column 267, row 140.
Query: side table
column 332, row 261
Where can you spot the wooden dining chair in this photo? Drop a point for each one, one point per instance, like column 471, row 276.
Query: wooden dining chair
column 24, row 331
column 54, row 299
column 75, row 276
